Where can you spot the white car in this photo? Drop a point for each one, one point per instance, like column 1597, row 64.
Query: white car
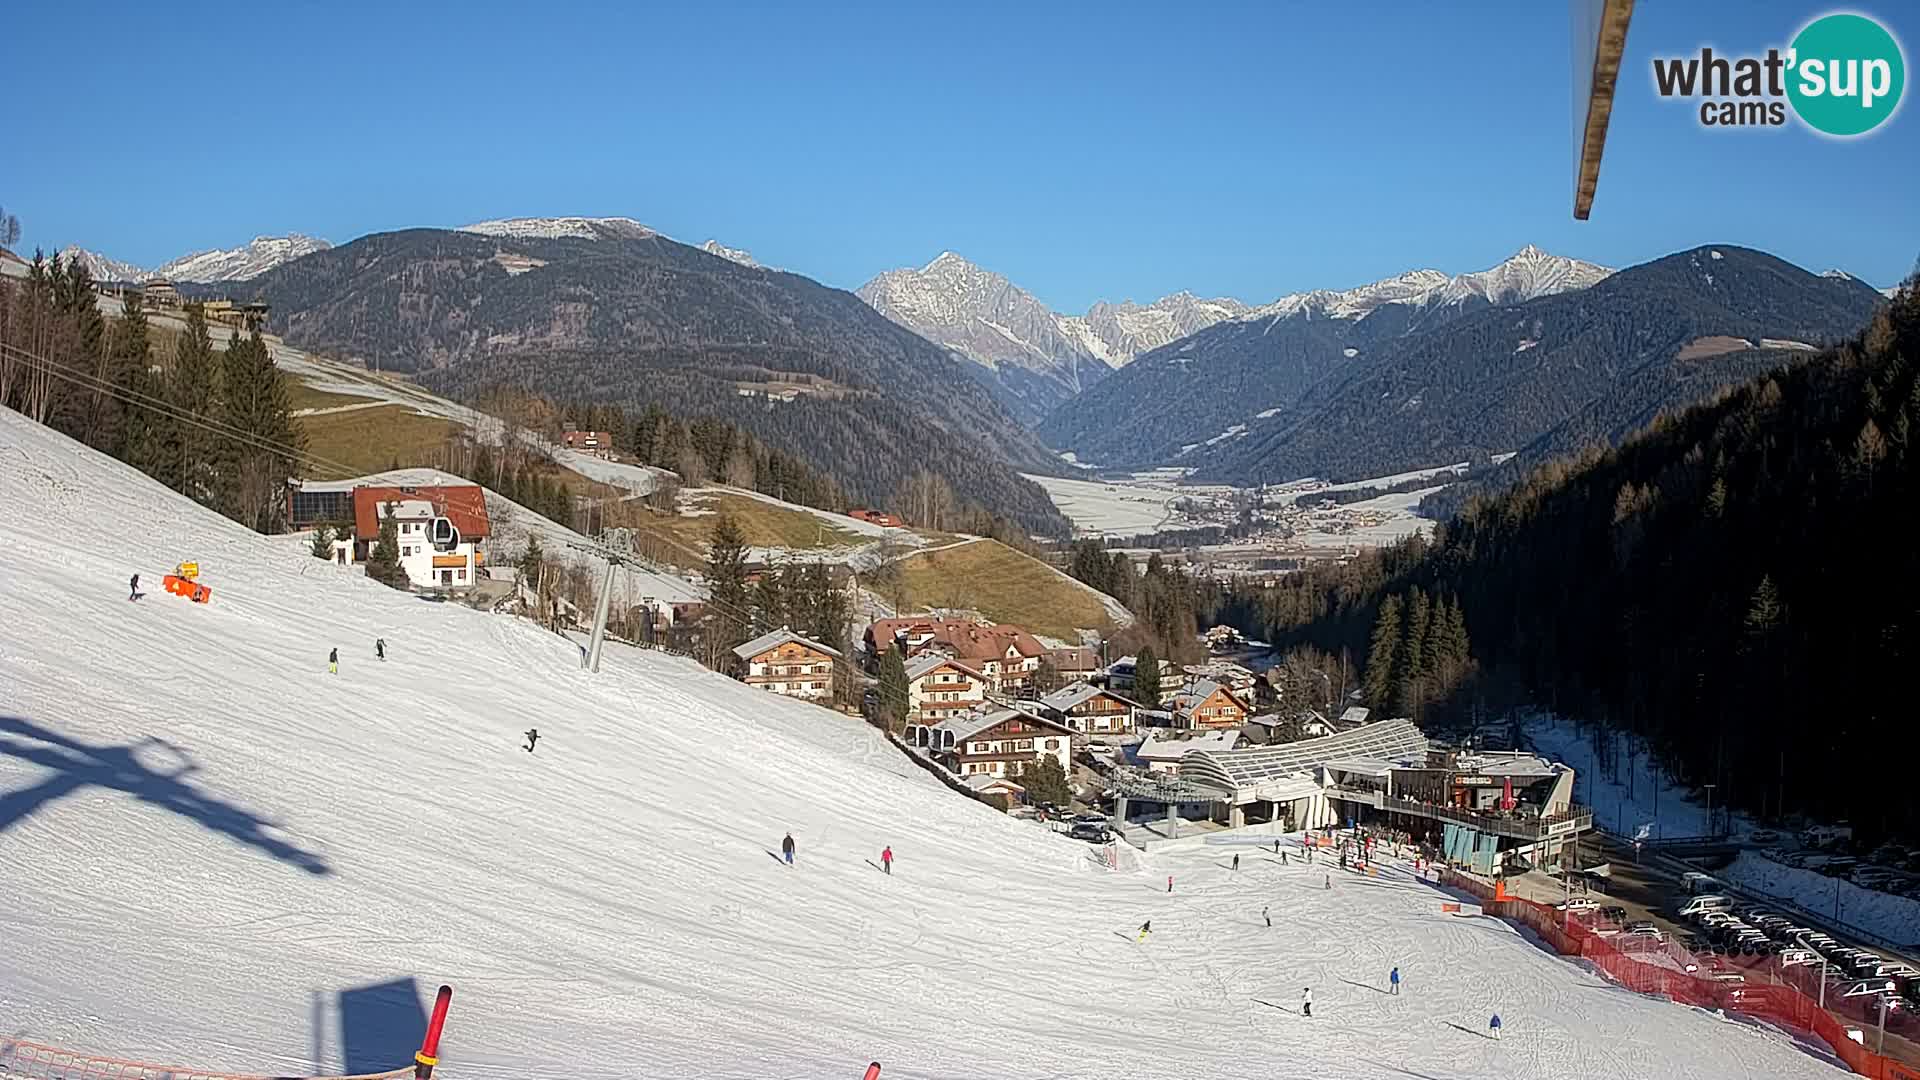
column 1868, row 988
column 1578, row 903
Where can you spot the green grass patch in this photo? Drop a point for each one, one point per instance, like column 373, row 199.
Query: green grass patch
column 371, row 440
column 1005, row 586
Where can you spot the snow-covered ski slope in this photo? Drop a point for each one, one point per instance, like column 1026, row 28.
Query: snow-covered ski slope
column 213, row 853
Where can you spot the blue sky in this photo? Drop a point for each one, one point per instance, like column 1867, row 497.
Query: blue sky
column 1085, row 150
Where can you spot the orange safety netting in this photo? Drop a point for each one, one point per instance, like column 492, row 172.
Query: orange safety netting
column 1671, row 971
column 34, row 1061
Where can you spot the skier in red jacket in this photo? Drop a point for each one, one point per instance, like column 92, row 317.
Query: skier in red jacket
column 886, row 860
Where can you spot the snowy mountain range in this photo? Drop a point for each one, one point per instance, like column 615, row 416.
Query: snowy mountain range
column 1033, row 357
column 258, row 256
column 1527, row 274
column 559, row 228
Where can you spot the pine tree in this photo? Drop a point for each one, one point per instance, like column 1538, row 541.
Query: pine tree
column 193, row 391
column 322, row 543
column 1415, row 667
column 383, row 562
column 254, row 399
column 1383, row 654
column 769, row 603
column 1764, row 611
column 1146, row 678
column 728, row 601
column 893, row 689
column 1046, row 782
column 530, row 559
column 831, row 609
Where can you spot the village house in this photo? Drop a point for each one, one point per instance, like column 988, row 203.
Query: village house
column 1162, row 753
column 1222, row 638
column 1006, row 655
column 875, row 517
column 1234, row 677
column 939, row 686
column 1077, row 663
column 439, row 530
column 1208, row 706
column 597, row 443
column 1090, row 710
column 1119, row 676
column 783, row 662
column 998, row 742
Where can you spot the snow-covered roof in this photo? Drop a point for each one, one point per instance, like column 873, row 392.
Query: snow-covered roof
column 777, row 638
column 987, row 782
column 966, row 725
column 1514, row 764
column 1079, row 693
column 1390, row 740
column 1156, row 748
column 931, row 661
column 1354, row 716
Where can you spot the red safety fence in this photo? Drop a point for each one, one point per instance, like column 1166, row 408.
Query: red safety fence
column 1652, row 966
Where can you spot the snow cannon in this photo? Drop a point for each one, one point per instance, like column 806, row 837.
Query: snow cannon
column 184, row 581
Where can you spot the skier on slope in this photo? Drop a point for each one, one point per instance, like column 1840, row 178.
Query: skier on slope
column 886, row 860
column 1306, row 1001
column 333, row 661
column 1236, row 861
column 786, row 848
column 380, row 648
column 1283, row 858
column 133, row 588
column 1493, row 1026
column 1393, row 981
column 533, row 736
column 1145, row 929
column 1266, row 913
column 1329, row 881
column 1169, row 882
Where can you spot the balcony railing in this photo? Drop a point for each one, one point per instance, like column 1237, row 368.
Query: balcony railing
column 1520, row 825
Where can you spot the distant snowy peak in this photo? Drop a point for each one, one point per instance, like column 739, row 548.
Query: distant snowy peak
column 558, row 228
column 103, row 268
column 949, row 297
column 242, row 263
column 234, row 264
column 1528, row 274
column 736, row 255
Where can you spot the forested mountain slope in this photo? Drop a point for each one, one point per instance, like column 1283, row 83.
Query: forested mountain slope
column 611, row 311
column 1731, row 582
column 1500, row 378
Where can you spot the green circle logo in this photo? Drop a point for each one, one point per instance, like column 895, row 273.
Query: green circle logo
column 1847, row 75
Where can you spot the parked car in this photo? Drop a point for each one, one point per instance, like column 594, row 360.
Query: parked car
column 1799, row 958
column 1702, row 904
column 1763, row 836
column 1866, row 988
column 1614, row 913
column 1646, row 930
column 1090, row 832
column 1578, row 903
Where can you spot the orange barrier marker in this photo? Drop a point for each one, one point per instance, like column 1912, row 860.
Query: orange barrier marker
column 192, row 590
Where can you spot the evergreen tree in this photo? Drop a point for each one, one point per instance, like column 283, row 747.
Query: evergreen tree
column 728, row 602
column 383, row 562
column 1146, row 677
column 322, row 543
column 1383, row 655
column 531, row 559
column 831, row 608
column 254, row 396
column 1764, row 611
column 193, row 390
column 1046, row 782
column 769, row 603
column 893, row 689
column 1410, row 691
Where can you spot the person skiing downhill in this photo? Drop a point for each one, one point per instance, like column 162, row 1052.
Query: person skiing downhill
column 1145, row 929
column 380, row 648
column 1236, row 860
column 533, row 736
column 1493, row 1025
column 1265, row 914
column 1276, row 847
column 133, row 588
column 886, row 860
column 786, row 848
column 1306, row 1001
column 1329, row 881
column 1393, row 981
column 333, row 661
column 1283, row 858
column 1169, row 882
